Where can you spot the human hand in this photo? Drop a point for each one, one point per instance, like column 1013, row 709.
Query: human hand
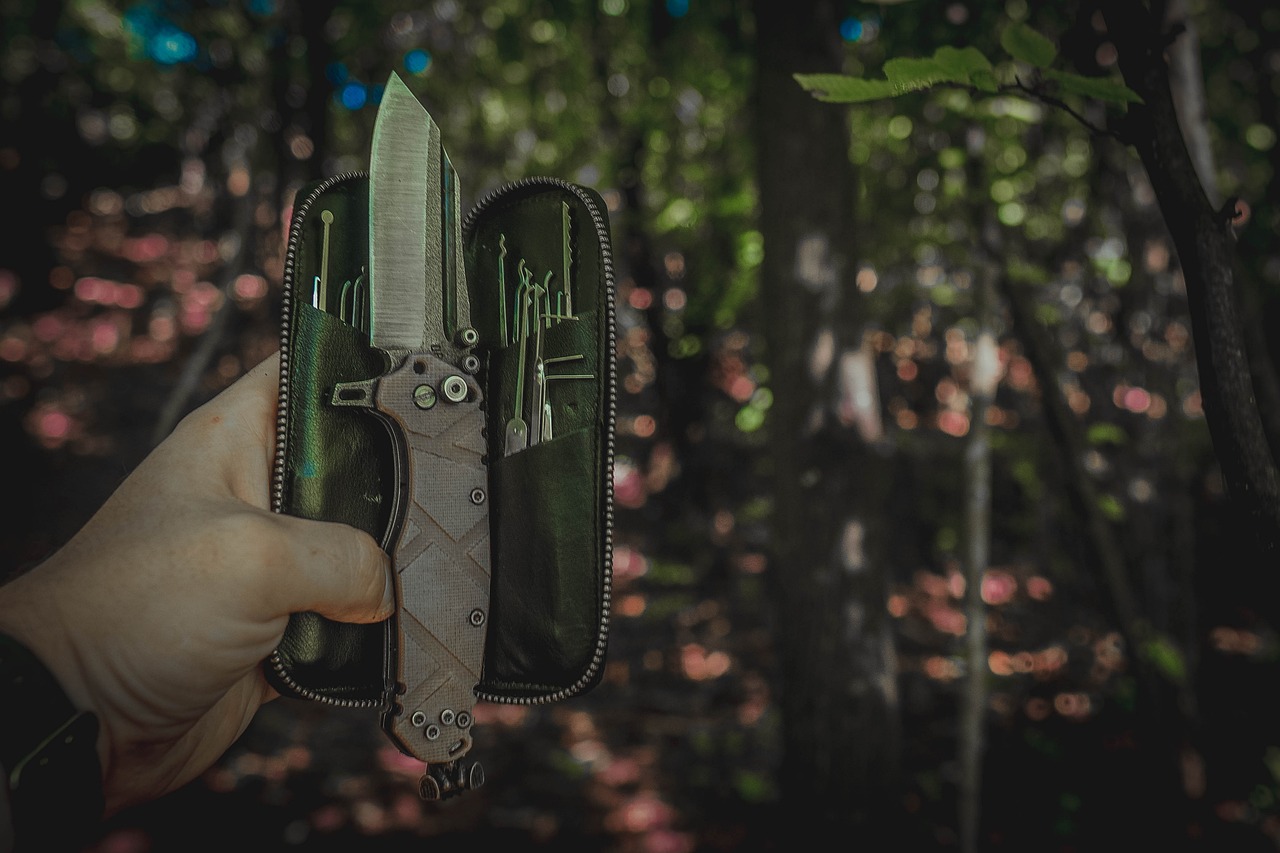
column 157, row 615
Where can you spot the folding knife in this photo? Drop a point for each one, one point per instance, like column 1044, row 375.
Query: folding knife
column 433, row 408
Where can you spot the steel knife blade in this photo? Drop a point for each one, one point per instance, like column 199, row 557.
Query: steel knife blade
column 431, row 402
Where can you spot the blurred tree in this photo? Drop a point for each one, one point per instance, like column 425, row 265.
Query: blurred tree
column 841, row 766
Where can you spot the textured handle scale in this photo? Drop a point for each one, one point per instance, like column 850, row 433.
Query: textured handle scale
column 440, row 554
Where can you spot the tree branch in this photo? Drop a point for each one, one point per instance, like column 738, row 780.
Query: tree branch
column 1206, row 251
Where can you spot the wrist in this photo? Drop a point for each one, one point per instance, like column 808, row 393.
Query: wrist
column 31, row 613
column 48, row 749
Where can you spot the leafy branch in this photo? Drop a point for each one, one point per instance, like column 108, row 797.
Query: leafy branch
column 970, row 69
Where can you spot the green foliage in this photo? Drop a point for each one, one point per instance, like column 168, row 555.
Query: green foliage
column 1105, row 433
column 959, row 66
column 1112, row 507
column 966, row 66
column 1023, row 272
column 1023, row 43
column 671, row 573
column 1167, row 658
column 969, row 68
column 843, row 89
column 1027, row 475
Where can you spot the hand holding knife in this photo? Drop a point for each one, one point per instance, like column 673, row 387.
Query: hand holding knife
column 468, row 427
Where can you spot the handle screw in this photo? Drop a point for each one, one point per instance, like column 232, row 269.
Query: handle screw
column 477, row 617
column 454, row 389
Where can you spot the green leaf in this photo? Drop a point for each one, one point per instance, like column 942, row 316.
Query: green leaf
column 911, row 74
column 1025, row 44
column 1093, row 87
column 962, row 62
column 843, row 89
column 985, row 81
column 1106, row 434
column 965, row 66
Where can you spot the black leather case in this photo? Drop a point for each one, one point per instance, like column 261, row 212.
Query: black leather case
column 551, row 511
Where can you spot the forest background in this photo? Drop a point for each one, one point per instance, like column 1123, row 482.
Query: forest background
column 945, row 494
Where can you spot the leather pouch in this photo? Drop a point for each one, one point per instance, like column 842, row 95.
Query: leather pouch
column 537, row 255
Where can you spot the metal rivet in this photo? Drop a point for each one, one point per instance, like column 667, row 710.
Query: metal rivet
column 470, row 363
column 454, row 389
column 468, row 336
column 418, row 719
column 432, row 731
column 424, row 396
column 477, row 496
column 447, row 716
column 477, row 617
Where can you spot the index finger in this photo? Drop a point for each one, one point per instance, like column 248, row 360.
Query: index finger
column 233, row 435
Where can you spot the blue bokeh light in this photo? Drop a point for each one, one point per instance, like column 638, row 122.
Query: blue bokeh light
column 851, row 29
column 262, row 7
column 677, row 8
column 353, row 96
column 417, row 61
column 155, row 38
column 170, row 45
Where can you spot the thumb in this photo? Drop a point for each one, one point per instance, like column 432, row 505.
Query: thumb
column 335, row 570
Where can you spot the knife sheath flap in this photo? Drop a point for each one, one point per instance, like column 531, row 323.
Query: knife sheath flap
column 540, row 282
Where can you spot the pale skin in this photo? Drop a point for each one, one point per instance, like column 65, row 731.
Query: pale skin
column 158, row 614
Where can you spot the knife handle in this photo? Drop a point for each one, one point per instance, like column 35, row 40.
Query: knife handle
column 439, row 550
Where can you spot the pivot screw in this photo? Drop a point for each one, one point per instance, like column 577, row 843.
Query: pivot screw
column 424, row 396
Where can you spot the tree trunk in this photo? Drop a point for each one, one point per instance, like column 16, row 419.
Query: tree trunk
column 1206, row 251
column 977, row 499
column 841, row 763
